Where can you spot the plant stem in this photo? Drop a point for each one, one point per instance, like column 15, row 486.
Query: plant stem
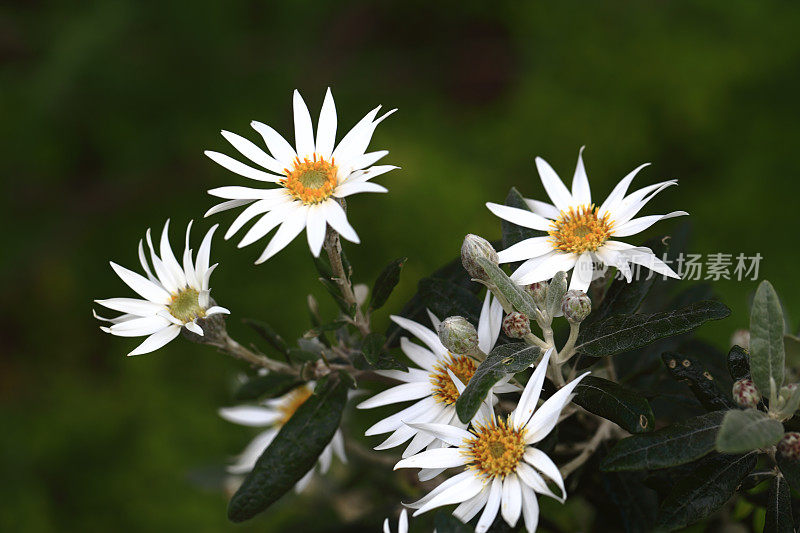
column 234, row 349
column 333, row 247
column 569, row 348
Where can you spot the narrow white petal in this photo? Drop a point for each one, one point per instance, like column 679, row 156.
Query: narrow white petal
column 291, row 228
column 402, row 523
column 444, row 485
column 636, row 201
column 637, row 225
column 436, row 458
column 409, row 414
column 362, row 176
column 224, row 206
column 157, row 340
column 467, row 510
column 301, row 485
column 315, row 229
column 169, row 259
column 326, row 127
column 545, row 417
column 194, row 328
column 543, row 208
column 216, row 310
column 532, row 479
column 139, row 327
column 165, row 276
column 526, row 249
column 581, row 194
column 511, row 500
column 559, row 261
column 281, row 150
column 254, row 154
column 530, row 395
column 268, row 222
column 539, row 460
column 530, row 509
column 368, row 159
column 240, row 168
column 236, row 192
column 349, row 189
column 250, row 415
column 492, row 506
column 133, row 306
column 424, row 438
column 553, row 185
column 520, row 217
column 247, row 459
column 143, row 262
column 460, row 492
column 337, row 444
column 303, row 130
column 430, row 338
column 204, row 257
column 616, row 196
column 142, row 286
column 450, row 434
column 649, row 260
column 398, row 393
column 582, row 273
column 412, row 374
column 337, row 218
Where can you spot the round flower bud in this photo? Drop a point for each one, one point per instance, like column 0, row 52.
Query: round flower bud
column 473, row 248
column 516, row 325
column 741, row 337
column 458, row 335
column 789, row 446
column 745, row 393
column 576, row 306
column 538, row 292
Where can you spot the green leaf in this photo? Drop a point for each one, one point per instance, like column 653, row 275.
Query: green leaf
column 512, row 234
column 626, row 408
column 637, row 504
column 704, row 490
column 779, row 507
column 333, row 290
column 267, row 386
column 622, row 333
column 322, row 328
column 293, row 452
column 746, row 430
column 268, row 334
column 790, row 470
column 555, row 293
column 376, row 357
column 445, row 522
column 738, row 363
column 699, row 379
column 385, row 283
column 504, row 359
column 515, row 295
column 300, row 354
column 767, row 355
column 673, row 445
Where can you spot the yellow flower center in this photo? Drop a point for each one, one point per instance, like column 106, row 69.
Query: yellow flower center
column 293, row 401
column 311, row 180
column 580, row 229
column 445, row 390
column 496, row 449
column 185, row 305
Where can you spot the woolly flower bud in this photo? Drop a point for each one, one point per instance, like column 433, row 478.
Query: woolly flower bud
column 473, row 248
column 576, row 306
column 516, row 325
column 538, row 292
column 789, row 446
column 458, row 335
column 745, row 393
column 741, row 337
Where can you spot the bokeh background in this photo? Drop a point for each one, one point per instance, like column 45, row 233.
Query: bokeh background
column 107, row 107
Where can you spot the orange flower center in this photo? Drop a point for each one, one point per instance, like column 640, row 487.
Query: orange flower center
column 496, row 449
column 311, row 180
column 580, row 229
column 445, row 390
column 293, row 401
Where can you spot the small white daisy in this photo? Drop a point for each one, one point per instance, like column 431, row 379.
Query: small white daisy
column 174, row 298
column 273, row 414
column 579, row 232
column 435, row 386
column 502, row 468
column 402, row 523
column 311, row 178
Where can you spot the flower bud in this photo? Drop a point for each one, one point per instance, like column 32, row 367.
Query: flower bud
column 538, row 292
column 576, row 306
column 745, row 393
column 789, row 446
column 473, row 248
column 741, row 337
column 458, row 335
column 516, row 325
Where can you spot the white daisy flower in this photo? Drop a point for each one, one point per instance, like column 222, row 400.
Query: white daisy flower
column 579, row 232
column 502, row 467
column 402, row 523
column 310, row 178
column 435, row 385
column 273, row 414
column 174, row 298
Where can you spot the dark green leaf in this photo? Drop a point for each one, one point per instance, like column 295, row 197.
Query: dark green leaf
column 268, row 334
column 504, row 359
column 767, row 355
column 299, row 354
column 385, row 283
column 626, row 408
column 521, row 300
column 512, row 234
column 670, row 446
column 636, row 503
column 699, row 379
column 790, row 470
column 322, row 328
column 376, row 357
column 742, row 431
column 267, row 386
column 445, row 522
column 704, row 490
column 333, row 290
column 779, row 507
column 446, row 299
column 622, row 333
column 738, row 363
column 756, row 478
column 293, row 452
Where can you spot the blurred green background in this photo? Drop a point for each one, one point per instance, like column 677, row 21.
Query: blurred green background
column 108, row 106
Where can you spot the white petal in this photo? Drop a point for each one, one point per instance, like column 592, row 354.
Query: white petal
column 652, row 262
column 194, row 328
column 526, row 249
column 532, row 479
column 467, row 510
column 520, row 217
column 636, row 201
column 402, row 524
column 539, row 460
column 240, row 168
column 142, row 286
column 169, row 259
column 465, row 489
column 543, row 208
column 444, row 485
column 215, row 310
column 424, row 438
column 247, row 459
column 530, row 395
column 250, row 415
column 301, row 485
column 133, row 306
column 558, row 262
column 268, row 222
column 224, row 206
column 436, row 458
column 362, row 176
column 412, row 374
column 492, row 506
column 157, row 340
column 165, row 275
column 511, row 500
column 201, row 267
column 315, row 229
column 430, row 338
column 530, row 509
column 255, row 154
column 399, row 393
column 368, row 159
column 303, row 130
column 489, row 323
column 450, row 434
column 139, row 327
column 409, row 414
column 257, row 208
column 355, row 143
column 338, row 220
column 555, row 188
column 291, row 228
column 581, row 193
column 637, row 225
column 616, row 196
column 281, row 150
column 143, row 262
column 349, row 189
column 545, row 418
column 236, row 192
column 337, row 444
column 582, row 273
column 326, row 127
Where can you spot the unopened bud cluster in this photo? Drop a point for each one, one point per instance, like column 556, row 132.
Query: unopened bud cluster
column 458, row 335
column 538, row 292
column 789, row 446
column 576, row 306
column 745, row 393
column 472, row 249
column 516, row 325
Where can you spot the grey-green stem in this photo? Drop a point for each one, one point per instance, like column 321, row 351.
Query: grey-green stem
column 333, row 247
